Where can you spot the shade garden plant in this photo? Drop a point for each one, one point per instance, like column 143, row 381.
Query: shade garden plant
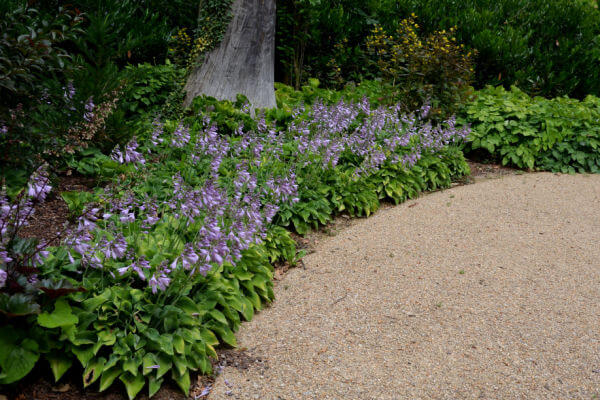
column 162, row 264
column 559, row 135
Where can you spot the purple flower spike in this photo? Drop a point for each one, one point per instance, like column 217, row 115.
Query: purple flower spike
column 39, row 184
column 3, row 277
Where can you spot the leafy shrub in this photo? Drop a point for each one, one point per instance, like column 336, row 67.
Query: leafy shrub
column 548, row 48
column 152, row 90
column 561, row 134
column 30, row 50
column 430, row 69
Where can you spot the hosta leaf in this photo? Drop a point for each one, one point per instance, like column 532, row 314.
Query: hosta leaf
column 209, row 337
column 218, row 316
column 83, row 354
column 132, row 365
column 178, row 344
column 59, row 365
column 225, row 334
column 247, row 309
column 149, row 363
column 164, row 364
column 93, row 303
column 93, row 371
column 181, row 364
column 183, row 381
column 15, row 363
column 153, row 385
column 108, row 377
column 133, row 384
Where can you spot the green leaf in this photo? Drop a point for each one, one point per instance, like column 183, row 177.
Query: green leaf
column 132, row 364
column 83, row 354
column 225, row 334
column 93, row 371
column 62, row 316
column 164, row 362
column 153, row 385
column 148, row 363
column 133, row 384
column 183, row 381
column 178, row 344
column 59, row 365
column 217, row 315
column 108, row 377
column 16, row 362
column 18, row 304
column 93, row 303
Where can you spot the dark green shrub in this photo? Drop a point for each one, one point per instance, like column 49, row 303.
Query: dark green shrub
column 30, row 51
column 545, row 47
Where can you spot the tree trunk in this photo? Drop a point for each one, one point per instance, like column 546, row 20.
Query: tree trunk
column 244, row 61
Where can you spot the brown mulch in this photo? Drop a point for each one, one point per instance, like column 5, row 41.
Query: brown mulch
column 50, row 216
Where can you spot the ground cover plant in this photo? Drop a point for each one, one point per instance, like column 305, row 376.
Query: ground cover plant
column 560, row 135
column 162, row 264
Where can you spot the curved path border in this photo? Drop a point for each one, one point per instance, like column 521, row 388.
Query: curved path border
column 487, row 291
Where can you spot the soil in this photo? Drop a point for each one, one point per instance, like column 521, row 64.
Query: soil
column 51, row 215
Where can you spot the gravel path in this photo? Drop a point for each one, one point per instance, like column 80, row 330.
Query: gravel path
column 486, row 291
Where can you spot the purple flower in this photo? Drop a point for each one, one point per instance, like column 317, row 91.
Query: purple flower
column 39, row 184
column 69, row 91
column 127, row 216
column 4, row 258
column 137, row 267
column 130, row 155
column 89, row 108
column 160, row 279
column 38, row 256
column 157, row 131
column 188, row 257
column 205, row 392
column 115, row 249
column 3, row 277
column 181, row 136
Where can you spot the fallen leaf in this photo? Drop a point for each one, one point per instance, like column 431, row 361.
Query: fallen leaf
column 60, row 388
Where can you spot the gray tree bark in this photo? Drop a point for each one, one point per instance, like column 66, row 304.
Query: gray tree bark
column 244, row 61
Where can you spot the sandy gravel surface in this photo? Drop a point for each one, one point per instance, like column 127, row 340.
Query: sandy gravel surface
column 486, row 291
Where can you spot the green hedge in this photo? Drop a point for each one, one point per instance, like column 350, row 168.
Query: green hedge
column 545, row 47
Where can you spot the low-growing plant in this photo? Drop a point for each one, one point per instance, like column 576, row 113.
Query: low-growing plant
column 561, row 135
column 177, row 249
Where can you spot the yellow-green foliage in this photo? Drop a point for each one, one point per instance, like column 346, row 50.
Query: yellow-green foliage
column 431, row 67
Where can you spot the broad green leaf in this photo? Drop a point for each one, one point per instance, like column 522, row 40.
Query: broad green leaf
column 59, row 364
column 108, row 377
column 83, row 354
column 15, row 363
column 153, row 385
column 183, row 381
column 93, row 371
column 133, row 384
